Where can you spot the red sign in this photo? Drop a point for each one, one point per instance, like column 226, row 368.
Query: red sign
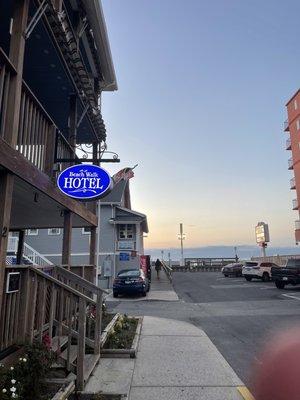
column 143, row 264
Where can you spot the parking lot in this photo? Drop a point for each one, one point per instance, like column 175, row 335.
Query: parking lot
column 238, row 316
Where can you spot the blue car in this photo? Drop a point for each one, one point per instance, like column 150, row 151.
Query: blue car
column 131, row 281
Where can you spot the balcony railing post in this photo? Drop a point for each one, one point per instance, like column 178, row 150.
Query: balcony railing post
column 50, row 151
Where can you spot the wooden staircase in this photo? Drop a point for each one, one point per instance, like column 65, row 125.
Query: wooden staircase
column 58, row 303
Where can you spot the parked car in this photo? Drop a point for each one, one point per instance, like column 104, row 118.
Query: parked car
column 234, row 269
column 131, row 281
column 287, row 275
column 258, row 269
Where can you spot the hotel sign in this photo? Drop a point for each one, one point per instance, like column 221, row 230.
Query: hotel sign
column 84, row 182
column 262, row 233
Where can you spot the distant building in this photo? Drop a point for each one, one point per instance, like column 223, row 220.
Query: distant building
column 292, row 125
column 121, row 240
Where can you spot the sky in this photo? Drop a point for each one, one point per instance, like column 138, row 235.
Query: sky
column 200, row 108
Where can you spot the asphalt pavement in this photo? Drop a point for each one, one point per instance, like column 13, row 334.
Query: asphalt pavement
column 238, row 316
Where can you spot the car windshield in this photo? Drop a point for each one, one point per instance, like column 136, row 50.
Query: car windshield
column 251, row 264
column 293, row 263
column 129, row 273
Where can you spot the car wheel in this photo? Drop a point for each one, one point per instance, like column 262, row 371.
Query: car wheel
column 144, row 294
column 265, row 277
column 248, row 278
column 115, row 294
column 279, row 285
column 226, row 276
column 237, row 274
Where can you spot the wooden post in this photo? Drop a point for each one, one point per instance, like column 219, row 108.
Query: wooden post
column 57, row 5
column 98, row 322
column 67, row 238
column 20, row 247
column 16, row 55
column 93, row 238
column 81, row 343
column 6, row 188
column 50, row 150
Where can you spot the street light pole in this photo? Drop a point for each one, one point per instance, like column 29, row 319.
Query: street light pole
column 162, row 255
column 181, row 237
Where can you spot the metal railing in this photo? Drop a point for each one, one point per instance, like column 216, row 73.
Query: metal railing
column 286, row 125
column 288, row 144
column 297, row 224
column 290, row 163
column 295, row 204
column 293, row 183
column 167, row 269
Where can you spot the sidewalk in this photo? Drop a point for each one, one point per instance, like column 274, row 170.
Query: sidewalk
column 175, row 361
column 161, row 289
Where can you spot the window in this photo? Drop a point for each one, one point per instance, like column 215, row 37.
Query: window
column 32, row 232
column 54, row 231
column 298, row 124
column 295, row 104
column 126, row 231
column 86, row 231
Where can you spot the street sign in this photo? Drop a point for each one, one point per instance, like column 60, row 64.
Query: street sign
column 84, row 182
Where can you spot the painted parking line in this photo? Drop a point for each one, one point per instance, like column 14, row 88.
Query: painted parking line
column 245, row 393
column 238, row 286
column 295, row 296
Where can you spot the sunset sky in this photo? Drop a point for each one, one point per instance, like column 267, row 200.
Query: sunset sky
column 200, row 108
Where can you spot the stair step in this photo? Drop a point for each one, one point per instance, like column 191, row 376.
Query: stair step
column 90, row 361
column 58, row 342
column 73, row 354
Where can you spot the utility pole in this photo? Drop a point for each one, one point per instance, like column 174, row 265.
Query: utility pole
column 181, row 237
column 169, row 257
column 162, row 255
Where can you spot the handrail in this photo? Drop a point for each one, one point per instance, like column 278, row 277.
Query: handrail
column 53, row 280
column 79, row 280
column 168, row 270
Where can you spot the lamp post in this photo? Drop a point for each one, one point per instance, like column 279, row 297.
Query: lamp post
column 162, row 255
column 181, row 237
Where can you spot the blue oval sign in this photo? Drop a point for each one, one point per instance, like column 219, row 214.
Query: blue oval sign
column 84, row 181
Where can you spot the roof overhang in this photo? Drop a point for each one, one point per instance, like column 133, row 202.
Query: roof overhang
column 135, row 218
column 96, row 19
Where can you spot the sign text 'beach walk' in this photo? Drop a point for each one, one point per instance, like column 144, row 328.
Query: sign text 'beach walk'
column 84, row 182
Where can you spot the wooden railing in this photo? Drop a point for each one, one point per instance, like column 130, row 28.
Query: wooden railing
column 35, row 127
column 7, row 72
column 62, row 305
column 38, row 135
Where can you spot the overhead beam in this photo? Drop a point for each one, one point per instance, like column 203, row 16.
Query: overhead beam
column 12, row 160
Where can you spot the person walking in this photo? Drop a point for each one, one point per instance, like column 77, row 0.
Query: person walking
column 158, row 265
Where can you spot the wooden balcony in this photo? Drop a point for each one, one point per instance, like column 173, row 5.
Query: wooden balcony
column 38, row 139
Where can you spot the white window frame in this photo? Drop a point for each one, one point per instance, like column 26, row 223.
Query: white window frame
column 126, row 237
column 84, row 232
column 51, row 233
column 295, row 104
column 32, row 232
